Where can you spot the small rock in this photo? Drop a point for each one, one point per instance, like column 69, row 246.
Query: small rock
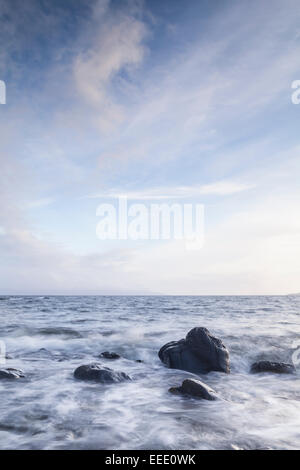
column 276, row 367
column 200, row 352
column 109, row 355
column 195, row 388
column 11, row 373
column 98, row 373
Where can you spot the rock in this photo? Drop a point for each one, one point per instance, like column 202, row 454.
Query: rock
column 98, row 373
column 63, row 331
column 276, row 367
column 109, row 355
column 200, row 352
column 196, row 389
column 11, row 373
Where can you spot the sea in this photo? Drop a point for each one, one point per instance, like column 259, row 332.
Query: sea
column 47, row 337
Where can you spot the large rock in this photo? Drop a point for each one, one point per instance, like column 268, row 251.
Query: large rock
column 11, row 373
column 275, row 367
column 200, row 352
column 98, row 373
column 196, row 389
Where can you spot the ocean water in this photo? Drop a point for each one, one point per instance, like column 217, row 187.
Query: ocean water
column 48, row 337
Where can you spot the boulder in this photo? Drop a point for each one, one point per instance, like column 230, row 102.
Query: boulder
column 200, row 352
column 11, row 373
column 196, row 389
column 275, row 367
column 109, row 355
column 98, row 373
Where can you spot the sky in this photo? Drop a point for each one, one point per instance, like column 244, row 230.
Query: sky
column 190, row 101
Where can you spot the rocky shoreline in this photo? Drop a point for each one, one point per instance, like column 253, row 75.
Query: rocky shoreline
column 199, row 353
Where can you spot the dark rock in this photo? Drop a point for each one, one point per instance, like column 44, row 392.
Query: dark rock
column 276, row 367
column 200, row 352
column 11, row 373
column 59, row 331
column 139, row 360
column 98, row 373
column 195, row 388
column 109, row 355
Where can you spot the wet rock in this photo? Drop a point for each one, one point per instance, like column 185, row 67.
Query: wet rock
column 275, row 367
column 195, row 388
column 11, row 373
column 68, row 332
column 200, row 352
column 109, row 355
column 139, row 360
column 98, row 373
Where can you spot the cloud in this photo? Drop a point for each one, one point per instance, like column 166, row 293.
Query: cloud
column 106, row 103
column 253, row 250
column 220, row 188
column 202, row 98
column 32, row 265
column 256, row 251
column 117, row 47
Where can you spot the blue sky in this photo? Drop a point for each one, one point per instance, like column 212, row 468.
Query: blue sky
column 139, row 97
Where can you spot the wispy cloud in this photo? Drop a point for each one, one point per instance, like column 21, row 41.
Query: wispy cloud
column 220, row 188
column 116, row 47
column 40, row 203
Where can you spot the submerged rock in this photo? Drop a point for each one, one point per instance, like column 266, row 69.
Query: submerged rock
column 200, row 352
column 195, row 388
column 98, row 373
column 11, row 373
column 56, row 331
column 275, row 367
column 109, row 355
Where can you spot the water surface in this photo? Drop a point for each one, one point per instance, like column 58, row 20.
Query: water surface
column 48, row 337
